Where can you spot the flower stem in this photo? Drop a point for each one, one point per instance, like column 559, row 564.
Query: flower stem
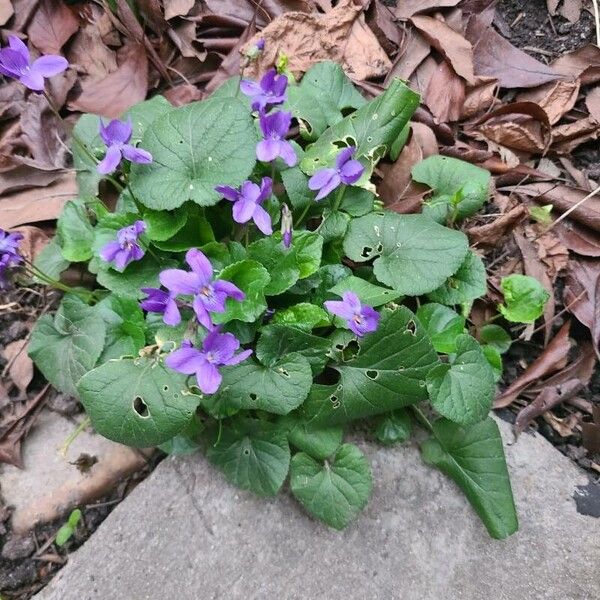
column 339, row 197
column 303, row 215
column 86, row 296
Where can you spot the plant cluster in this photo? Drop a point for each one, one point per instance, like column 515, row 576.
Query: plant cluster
column 253, row 297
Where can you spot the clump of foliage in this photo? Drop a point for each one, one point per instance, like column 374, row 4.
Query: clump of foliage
column 253, row 298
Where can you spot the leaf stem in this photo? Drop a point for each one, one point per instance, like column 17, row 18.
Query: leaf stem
column 73, row 436
column 422, row 418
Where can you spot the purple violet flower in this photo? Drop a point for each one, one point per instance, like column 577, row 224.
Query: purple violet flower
column 218, row 349
column 9, row 254
column 269, row 92
column 260, row 45
column 346, row 171
column 161, row 302
column 287, row 225
column 125, row 248
column 209, row 295
column 361, row 318
column 116, row 136
column 274, row 128
column 15, row 62
column 247, row 203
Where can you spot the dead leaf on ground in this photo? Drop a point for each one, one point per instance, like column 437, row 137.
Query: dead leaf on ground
column 90, row 55
column 451, row 44
column 51, row 26
column 494, row 56
column 557, row 98
column 591, row 431
column 113, row 94
column 582, row 294
column 182, row 94
column 415, row 50
column 382, row 24
column 565, row 138
column 592, row 103
column 177, row 8
column 37, row 204
column 33, row 242
column 552, row 358
column 405, row 9
column 583, row 63
column 564, row 427
column 24, row 177
column 579, row 239
column 571, row 10
column 6, row 11
column 19, row 365
column 479, row 99
column 340, row 35
column 491, row 234
column 445, row 94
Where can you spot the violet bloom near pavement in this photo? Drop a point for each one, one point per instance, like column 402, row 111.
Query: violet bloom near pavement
column 209, row 295
column 360, row 318
column 9, row 254
column 347, row 171
column 274, row 128
column 218, row 349
column 161, row 302
column 116, row 136
column 125, row 248
column 15, row 62
column 247, row 203
column 270, row 91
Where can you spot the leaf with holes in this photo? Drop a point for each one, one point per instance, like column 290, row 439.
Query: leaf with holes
column 324, row 92
column 332, row 492
column 67, row 345
column 460, row 189
column 277, row 341
column 467, row 284
column 389, row 371
column 253, row 454
column 277, row 387
column 413, row 254
column 372, row 129
column 474, row 458
column 463, row 390
column 139, row 402
column 252, row 278
column 369, row 293
column 195, row 148
column 443, row 326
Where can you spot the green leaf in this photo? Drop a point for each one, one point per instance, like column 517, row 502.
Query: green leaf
column 195, row 232
column 464, row 390
column 357, row 202
column 318, row 442
column 495, row 336
column 467, row 284
column 474, row 458
column 394, row 428
column 278, row 341
column 319, row 100
column 315, row 288
column 443, row 326
column 66, row 346
column 195, row 148
column 65, row 533
column 413, row 254
column 369, row 293
column 295, row 183
column 162, row 225
column 399, row 143
column 50, row 260
column 278, row 387
column 187, row 440
column 494, row 358
column 460, row 189
column 524, row 298
column 144, row 114
column 252, row 278
column 371, row 129
column 388, row 372
column 333, row 226
column 253, row 454
column 333, row 493
column 75, row 232
column 125, row 327
column 139, row 402
column 304, row 316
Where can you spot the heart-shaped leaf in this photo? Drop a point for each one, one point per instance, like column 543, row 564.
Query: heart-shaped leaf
column 467, row 284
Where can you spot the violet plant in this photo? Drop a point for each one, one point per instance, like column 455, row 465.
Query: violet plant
column 254, row 298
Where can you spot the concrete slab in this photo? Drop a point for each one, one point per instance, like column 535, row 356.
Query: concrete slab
column 185, row 534
column 50, row 484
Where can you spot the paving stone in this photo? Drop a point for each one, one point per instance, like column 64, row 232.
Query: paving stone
column 49, row 485
column 185, row 534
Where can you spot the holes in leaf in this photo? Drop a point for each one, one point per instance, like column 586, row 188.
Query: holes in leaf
column 246, row 451
column 371, row 374
column 283, row 372
column 379, row 248
column 253, row 397
column 411, row 327
column 366, row 251
column 335, row 401
column 351, row 350
column 165, row 388
column 140, row 407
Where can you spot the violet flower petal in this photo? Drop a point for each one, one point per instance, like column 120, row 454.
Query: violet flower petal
column 228, row 192
column 230, row 289
column 136, row 155
column 351, row 172
column 243, row 210
column 208, row 378
column 180, row 281
column 201, row 313
column 32, row 80
column 186, row 360
column 49, row 65
column 262, row 219
column 199, row 265
column 110, row 162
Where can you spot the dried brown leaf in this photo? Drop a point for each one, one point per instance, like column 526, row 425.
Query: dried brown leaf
column 583, row 63
column 113, row 94
column 90, row 54
column 592, row 102
column 33, row 242
column 552, row 359
column 579, row 239
column 37, row 204
column 493, row 56
column 557, row 98
column 571, row 10
column 445, row 95
column 382, row 24
column 340, row 35
column 565, row 138
column 24, row 177
column 183, row 94
column 6, row 11
column 412, row 54
column 405, row 9
column 591, row 431
column 452, row 45
column 491, row 234
column 177, row 8
column 20, row 366
column 478, row 99
column 51, row 26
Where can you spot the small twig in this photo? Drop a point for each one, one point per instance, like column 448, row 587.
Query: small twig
column 562, row 312
column 570, row 210
column 597, row 20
